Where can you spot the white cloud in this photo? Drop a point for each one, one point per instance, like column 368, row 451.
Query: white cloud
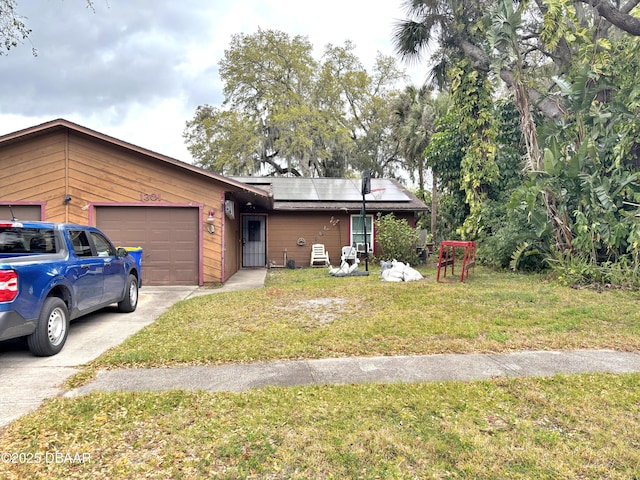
column 137, row 69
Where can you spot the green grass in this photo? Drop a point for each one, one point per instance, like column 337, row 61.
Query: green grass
column 570, row 426
column 582, row 426
column 308, row 314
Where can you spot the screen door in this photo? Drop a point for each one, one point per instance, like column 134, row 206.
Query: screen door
column 254, row 244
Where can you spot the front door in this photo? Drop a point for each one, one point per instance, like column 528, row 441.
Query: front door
column 254, row 241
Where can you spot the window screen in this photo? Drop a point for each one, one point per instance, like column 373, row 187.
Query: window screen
column 357, row 230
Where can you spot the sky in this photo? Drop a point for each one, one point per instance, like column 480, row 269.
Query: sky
column 137, row 69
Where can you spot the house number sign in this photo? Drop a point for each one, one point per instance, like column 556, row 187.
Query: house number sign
column 150, row 197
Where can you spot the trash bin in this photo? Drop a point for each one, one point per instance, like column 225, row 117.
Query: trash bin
column 136, row 253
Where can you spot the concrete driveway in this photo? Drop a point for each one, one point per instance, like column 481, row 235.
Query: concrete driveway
column 25, row 380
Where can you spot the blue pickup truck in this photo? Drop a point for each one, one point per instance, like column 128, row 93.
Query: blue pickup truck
column 52, row 273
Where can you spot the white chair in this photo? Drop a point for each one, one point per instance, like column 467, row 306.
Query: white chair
column 349, row 253
column 319, row 256
column 349, row 263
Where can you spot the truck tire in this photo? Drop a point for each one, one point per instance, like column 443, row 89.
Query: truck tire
column 52, row 328
column 130, row 300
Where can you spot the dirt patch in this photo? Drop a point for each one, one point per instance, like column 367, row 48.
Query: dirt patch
column 317, row 312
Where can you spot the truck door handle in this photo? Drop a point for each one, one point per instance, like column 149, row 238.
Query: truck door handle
column 84, row 265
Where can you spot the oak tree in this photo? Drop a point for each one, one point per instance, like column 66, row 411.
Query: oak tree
column 286, row 113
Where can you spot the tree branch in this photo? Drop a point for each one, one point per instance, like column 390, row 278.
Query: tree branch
column 269, row 160
column 619, row 17
column 547, row 106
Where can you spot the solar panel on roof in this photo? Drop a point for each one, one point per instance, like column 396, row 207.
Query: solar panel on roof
column 384, row 190
column 299, row 189
column 335, row 190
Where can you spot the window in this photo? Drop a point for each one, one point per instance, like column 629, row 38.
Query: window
column 357, row 232
column 82, row 246
column 27, row 240
column 80, row 243
column 103, row 247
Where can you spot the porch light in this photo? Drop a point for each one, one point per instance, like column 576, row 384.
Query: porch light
column 210, row 217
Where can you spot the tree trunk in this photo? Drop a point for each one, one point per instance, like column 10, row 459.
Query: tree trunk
column 434, row 203
column 421, row 175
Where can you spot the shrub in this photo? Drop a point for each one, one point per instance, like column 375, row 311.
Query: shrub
column 579, row 270
column 396, row 239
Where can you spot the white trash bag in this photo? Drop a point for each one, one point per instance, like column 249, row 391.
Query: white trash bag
column 395, row 271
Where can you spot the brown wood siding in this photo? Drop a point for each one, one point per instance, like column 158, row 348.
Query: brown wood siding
column 45, row 167
column 34, row 171
column 107, row 174
column 333, row 230
column 232, row 245
column 284, row 229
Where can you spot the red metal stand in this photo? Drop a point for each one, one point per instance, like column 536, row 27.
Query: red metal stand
column 448, row 257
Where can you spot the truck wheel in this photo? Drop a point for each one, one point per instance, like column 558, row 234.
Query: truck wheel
column 52, row 328
column 130, row 301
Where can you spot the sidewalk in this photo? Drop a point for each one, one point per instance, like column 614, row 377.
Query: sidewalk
column 429, row 368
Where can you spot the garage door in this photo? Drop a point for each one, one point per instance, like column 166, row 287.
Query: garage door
column 168, row 237
column 21, row 212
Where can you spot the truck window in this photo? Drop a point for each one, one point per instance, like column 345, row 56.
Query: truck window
column 103, row 247
column 27, row 240
column 43, row 241
column 80, row 242
column 12, row 240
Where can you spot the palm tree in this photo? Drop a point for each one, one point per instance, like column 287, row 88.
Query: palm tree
column 504, row 39
column 452, row 26
column 415, row 123
column 416, row 111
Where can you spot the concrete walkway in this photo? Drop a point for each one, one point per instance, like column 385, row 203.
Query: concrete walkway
column 446, row 367
column 245, row 279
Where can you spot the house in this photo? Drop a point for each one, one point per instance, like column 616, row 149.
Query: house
column 194, row 227
column 306, row 211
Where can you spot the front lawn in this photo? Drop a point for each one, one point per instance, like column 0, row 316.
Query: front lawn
column 308, row 314
column 568, row 426
column 581, row 426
